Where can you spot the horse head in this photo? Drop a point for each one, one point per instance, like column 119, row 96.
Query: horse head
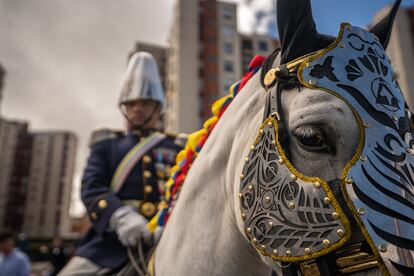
column 332, row 163
column 326, row 180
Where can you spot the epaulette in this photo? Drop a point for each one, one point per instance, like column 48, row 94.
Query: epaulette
column 103, row 134
column 180, row 139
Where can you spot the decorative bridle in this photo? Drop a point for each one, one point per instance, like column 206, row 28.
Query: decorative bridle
column 293, row 218
column 270, row 184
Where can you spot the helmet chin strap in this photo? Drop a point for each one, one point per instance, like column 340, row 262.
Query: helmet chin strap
column 143, row 125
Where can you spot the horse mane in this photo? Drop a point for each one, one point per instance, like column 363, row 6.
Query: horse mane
column 196, row 140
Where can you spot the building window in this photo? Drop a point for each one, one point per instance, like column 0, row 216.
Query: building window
column 227, row 14
column 227, row 31
column 247, row 44
column 228, row 66
column 263, row 46
column 228, row 48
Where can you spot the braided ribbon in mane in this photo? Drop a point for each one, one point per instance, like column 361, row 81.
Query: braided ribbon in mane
column 195, row 143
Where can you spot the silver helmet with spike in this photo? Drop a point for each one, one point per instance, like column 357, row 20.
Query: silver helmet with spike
column 142, row 80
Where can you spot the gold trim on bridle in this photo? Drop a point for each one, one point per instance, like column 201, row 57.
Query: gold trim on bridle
column 291, row 67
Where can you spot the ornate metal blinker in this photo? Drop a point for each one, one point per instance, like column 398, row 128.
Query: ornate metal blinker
column 287, row 216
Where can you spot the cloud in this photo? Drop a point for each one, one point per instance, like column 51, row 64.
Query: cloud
column 257, row 16
column 64, row 62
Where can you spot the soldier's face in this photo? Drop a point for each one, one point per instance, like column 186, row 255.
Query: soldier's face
column 6, row 246
column 139, row 111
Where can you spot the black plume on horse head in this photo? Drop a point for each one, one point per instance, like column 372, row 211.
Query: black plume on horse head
column 298, row 33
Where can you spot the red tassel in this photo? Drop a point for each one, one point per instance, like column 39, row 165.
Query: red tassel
column 257, row 61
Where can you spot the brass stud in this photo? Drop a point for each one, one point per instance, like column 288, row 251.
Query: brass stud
column 270, row 124
column 148, row 189
column 270, row 223
column 311, row 82
column 292, row 205
column 307, row 64
column 340, row 232
column 274, row 251
column 293, row 177
column 261, row 131
column 147, row 159
column 242, row 176
column 363, row 158
column 341, row 45
column 317, row 184
column 327, row 201
column 147, row 174
column 348, row 180
column 240, row 195
column 270, row 76
column 94, row 216
column 250, row 187
column 102, row 204
column 263, row 247
column 148, row 209
column 335, row 215
column 288, row 252
column 307, row 251
column 394, row 117
column 280, row 160
column 382, row 248
column 252, row 147
column 267, row 199
column 274, row 142
column 365, row 124
column 248, row 230
column 247, row 159
column 243, row 216
column 254, row 240
column 326, row 243
column 361, row 211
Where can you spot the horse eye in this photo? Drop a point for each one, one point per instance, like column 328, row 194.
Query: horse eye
column 312, row 138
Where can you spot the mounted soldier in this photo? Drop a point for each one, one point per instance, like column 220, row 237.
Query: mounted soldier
column 125, row 174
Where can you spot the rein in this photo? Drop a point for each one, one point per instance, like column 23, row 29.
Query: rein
column 195, row 143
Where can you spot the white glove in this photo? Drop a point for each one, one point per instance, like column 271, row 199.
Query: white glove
column 130, row 226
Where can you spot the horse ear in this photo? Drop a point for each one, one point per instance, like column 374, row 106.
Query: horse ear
column 383, row 28
column 297, row 30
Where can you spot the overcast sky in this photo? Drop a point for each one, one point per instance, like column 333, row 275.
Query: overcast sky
column 65, row 58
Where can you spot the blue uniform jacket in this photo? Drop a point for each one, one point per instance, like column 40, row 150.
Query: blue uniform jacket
column 101, row 244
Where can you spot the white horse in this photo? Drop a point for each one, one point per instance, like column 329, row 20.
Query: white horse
column 206, row 234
